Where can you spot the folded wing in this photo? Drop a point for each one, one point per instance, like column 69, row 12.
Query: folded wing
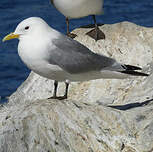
column 76, row 58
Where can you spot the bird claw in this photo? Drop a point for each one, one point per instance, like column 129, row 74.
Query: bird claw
column 71, row 35
column 96, row 34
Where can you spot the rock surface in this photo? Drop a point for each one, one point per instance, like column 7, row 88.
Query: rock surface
column 99, row 115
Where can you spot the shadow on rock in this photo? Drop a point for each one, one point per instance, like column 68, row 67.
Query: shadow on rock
column 91, row 25
column 132, row 105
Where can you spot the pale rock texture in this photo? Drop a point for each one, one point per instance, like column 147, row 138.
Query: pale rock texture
column 99, row 115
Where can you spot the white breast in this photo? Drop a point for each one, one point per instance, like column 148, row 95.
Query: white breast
column 34, row 55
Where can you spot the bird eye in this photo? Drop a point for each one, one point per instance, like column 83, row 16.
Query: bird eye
column 26, row 28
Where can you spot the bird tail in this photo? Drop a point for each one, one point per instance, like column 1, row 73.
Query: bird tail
column 129, row 69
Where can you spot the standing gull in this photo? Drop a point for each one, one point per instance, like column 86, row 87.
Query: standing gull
column 80, row 8
column 55, row 56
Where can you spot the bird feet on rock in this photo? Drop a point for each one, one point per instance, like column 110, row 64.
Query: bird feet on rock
column 59, row 97
column 96, row 34
column 71, row 35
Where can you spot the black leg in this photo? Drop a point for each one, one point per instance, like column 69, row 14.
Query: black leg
column 55, row 90
column 96, row 33
column 96, row 27
column 71, row 35
column 66, row 90
column 67, row 23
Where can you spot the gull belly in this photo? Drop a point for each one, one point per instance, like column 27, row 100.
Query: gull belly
column 79, row 8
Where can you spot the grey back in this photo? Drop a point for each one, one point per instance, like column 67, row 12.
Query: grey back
column 75, row 58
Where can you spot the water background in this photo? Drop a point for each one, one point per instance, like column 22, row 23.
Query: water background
column 13, row 72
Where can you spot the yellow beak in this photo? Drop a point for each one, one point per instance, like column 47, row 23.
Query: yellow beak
column 10, row 36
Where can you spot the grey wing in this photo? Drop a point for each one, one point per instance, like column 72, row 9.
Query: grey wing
column 75, row 58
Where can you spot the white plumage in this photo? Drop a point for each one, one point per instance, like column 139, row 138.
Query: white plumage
column 79, row 8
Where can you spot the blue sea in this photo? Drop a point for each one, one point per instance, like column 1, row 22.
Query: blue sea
column 13, row 72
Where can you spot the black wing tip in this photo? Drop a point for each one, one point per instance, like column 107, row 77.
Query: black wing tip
column 131, row 67
column 135, row 73
column 131, row 70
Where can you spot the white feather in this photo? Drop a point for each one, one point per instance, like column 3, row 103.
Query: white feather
column 79, row 8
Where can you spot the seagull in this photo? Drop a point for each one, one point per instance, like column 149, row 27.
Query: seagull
column 55, row 56
column 72, row 9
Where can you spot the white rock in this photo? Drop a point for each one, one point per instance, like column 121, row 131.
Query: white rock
column 99, row 115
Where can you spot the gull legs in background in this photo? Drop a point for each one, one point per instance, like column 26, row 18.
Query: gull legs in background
column 96, row 33
column 69, row 34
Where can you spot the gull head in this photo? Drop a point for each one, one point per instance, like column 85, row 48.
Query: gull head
column 28, row 27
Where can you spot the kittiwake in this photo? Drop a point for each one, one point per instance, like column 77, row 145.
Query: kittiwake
column 55, row 56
